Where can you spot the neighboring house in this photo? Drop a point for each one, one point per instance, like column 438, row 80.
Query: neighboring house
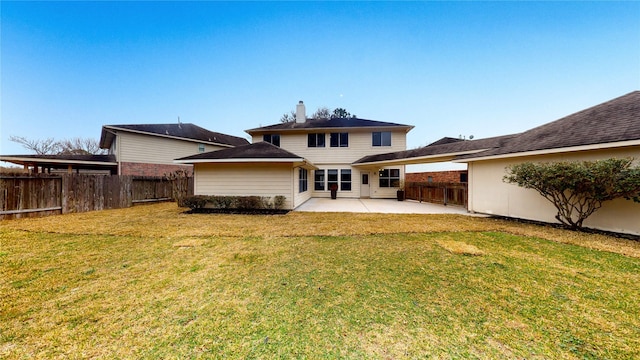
column 611, row 129
column 149, row 149
column 142, row 150
column 307, row 158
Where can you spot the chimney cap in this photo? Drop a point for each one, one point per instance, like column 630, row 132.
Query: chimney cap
column 300, row 102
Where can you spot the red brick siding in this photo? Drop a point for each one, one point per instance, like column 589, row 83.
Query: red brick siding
column 437, row 176
column 145, row 169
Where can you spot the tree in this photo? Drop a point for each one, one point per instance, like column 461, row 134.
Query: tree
column 323, row 113
column 340, row 113
column 288, row 117
column 578, row 189
column 49, row 146
column 80, row 146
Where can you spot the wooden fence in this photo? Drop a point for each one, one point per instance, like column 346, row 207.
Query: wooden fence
column 439, row 193
column 36, row 196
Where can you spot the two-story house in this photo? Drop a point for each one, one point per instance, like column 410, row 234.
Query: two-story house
column 304, row 159
column 140, row 150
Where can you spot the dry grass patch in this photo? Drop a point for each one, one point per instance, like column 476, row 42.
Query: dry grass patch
column 166, row 220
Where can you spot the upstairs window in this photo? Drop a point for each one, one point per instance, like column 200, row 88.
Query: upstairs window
column 201, row 148
column 272, row 138
column 381, row 138
column 339, row 139
column 389, row 178
column 315, row 140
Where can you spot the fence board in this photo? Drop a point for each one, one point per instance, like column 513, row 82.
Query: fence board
column 40, row 195
column 438, row 193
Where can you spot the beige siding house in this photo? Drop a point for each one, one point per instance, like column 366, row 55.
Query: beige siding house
column 607, row 130
column 326, row 153
column 149, row 149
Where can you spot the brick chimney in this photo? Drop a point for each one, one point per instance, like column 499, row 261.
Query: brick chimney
column 301, row 113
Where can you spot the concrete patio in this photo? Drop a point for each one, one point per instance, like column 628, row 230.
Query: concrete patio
column 388, row 206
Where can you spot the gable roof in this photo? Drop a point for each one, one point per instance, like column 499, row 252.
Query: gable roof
column 439, row 151
column 189, row 132
column 616, row 120
column 336, row 123
column 259, row 150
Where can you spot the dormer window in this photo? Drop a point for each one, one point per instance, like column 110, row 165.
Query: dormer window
column 200, row 148
column 339, row 139
column 315, row 140
column 272, row 138
column 381, row 138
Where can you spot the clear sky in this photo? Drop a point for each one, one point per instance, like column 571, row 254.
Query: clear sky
column 449, row 68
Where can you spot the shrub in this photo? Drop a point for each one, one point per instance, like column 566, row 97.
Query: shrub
column 577, row 189
column 244, row 203
column 196, row 202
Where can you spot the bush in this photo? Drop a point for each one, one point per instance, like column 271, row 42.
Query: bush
column 195, row 202
column 243, row 203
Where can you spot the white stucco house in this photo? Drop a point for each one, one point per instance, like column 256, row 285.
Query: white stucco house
column 304, row 159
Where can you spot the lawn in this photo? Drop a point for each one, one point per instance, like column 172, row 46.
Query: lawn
column 151, row 282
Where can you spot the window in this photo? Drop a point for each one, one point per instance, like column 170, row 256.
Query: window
column 381, row 138
column 319, row 180
column 315, row 140
column 272, row 138
column 303, row 182
column 339, row 139
column 200, row 148
column 345, row 180
column 389, row 178
column 464, row 177
column 332, row 178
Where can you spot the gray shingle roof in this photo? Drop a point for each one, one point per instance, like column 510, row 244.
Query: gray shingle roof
column 185, row 131
column 440, row 149
column 259, row 150
column 326, row 124
column 612, row 121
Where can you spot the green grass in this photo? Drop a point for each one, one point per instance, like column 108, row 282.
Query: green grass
column 69, row 292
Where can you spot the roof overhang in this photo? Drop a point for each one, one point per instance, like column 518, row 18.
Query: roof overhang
column 426, row 159
column 311, row 130
column 295, row 162
column 611, row 145
column 60, row 162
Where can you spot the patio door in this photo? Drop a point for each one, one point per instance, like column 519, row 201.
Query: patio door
column 364, row 185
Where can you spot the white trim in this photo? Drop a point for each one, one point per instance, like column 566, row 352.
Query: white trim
column 241, row 160
column 419, row 159
column 602, row 146
column 54, row 161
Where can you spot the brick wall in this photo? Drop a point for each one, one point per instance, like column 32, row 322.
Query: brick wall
column 436, row 176
column 145, row 169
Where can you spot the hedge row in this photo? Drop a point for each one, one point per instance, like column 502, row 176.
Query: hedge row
column 234, row 202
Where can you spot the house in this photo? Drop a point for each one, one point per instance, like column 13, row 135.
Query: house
column 143, row 150
column 610, row 129
column 304, row 159
column 149, row 149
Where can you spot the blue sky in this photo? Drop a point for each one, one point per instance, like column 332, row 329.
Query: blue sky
column 449, row 68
